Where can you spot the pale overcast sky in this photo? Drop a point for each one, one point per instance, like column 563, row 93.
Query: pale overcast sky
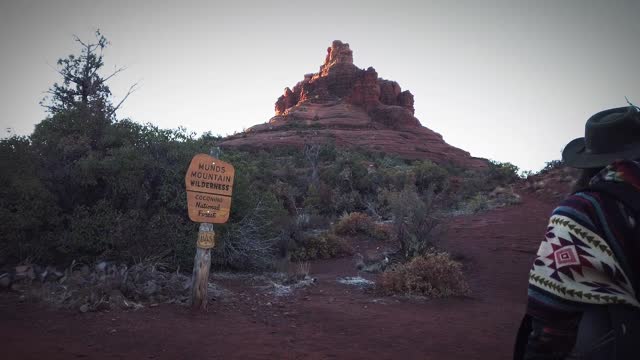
column 507, row 80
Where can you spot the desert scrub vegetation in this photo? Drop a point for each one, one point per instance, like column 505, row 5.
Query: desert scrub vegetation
column 114, row 190
column 323, row 246
column 499, row 197
column 354, row 223
column 357, row 223
column 87, row 186
column 417, row 220
column 433, row 274
column 417, row 268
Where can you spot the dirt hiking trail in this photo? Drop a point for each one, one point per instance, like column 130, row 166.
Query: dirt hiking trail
column 328, row 320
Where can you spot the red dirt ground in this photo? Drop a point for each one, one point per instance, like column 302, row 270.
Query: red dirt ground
column 325, row 321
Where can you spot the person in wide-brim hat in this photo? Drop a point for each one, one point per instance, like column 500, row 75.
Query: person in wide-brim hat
column 581, row 269
column 610, row 135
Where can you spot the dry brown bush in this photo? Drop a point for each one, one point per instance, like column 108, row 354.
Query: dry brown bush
column 433, row 275
column 321, row 247
column 382, row 231
column 355, row 223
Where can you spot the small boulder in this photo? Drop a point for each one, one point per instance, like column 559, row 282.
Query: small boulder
column 25, row 272
column 150, row 288
column 84, row 270
column 50, row 273
column 117, row 300
column 5, row 281
column 102, row 266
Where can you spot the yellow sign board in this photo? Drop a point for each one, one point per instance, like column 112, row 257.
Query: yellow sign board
column 210, row 175
column 209, row 183
column 208, row 208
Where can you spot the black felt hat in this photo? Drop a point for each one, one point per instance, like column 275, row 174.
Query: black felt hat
column 610, row 135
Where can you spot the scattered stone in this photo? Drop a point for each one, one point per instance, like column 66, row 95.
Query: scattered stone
column 50, row 273
column 85, row 270
column 21, row 269
column 356, row 281
column 117, row 300
column 25, row 272
column 102, row 266
column 5, row 281
column 150, row 288
column 104, row 286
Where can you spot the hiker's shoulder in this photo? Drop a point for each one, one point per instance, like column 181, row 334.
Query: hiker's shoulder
column 582, row 200
column 582, row 206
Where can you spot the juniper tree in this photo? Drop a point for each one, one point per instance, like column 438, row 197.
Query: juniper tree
column 83, row 87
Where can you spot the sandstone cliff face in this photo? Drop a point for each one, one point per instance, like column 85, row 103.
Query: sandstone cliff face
column 339, row 79
column 350, row 106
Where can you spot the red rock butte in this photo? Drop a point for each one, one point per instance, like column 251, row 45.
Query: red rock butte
column 350, row 107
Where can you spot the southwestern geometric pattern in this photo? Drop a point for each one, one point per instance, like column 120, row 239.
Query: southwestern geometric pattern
column 566, row 256
column 577, row 265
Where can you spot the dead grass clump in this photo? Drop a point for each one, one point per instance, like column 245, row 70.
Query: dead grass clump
column 434, row 275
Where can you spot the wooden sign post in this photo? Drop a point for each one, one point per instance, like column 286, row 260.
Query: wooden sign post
column 209, row 183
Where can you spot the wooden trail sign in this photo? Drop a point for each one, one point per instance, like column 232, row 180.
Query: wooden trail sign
column 208, row 208
column 209, row 183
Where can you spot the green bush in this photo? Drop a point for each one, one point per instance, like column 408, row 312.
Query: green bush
column 502, row 173
column 77, row 190
column 551, row 165
column 85, row 186
column 429, row 175
column 416, row 220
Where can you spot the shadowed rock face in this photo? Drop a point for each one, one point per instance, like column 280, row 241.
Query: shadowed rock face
column 340, row 80
column 350, row 106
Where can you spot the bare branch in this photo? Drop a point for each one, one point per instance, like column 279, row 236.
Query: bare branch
column 112, row 75
column 132, row 89
column 90, row 47
column 77, row 39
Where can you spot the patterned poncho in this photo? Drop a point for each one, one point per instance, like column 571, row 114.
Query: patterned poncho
column 578, row 263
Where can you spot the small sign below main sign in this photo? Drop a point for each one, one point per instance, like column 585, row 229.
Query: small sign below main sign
column 206, row 239
column 209, row 183
column 208, row 208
